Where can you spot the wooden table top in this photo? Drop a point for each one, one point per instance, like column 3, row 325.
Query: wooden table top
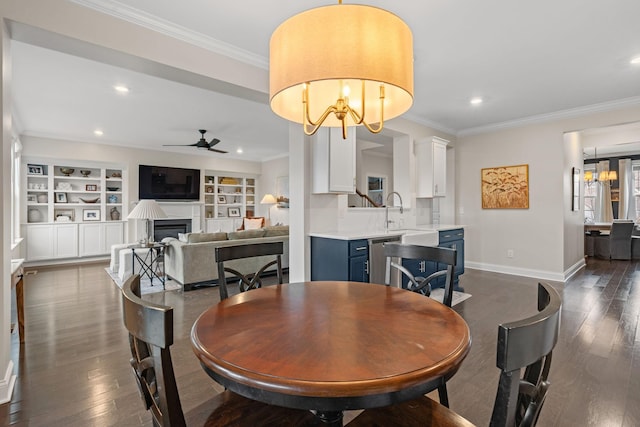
column 330, row 339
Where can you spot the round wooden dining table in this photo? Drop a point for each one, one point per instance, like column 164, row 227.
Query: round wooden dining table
column 330, row 346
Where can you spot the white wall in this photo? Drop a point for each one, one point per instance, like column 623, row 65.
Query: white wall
column 271, row 171
column 7, row 377
column 543, row 237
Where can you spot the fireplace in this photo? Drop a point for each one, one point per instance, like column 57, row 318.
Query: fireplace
column 170, row 228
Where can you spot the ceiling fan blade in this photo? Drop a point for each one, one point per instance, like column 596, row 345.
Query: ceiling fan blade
column 218, row 151
column 180, row 145
column 213, row 142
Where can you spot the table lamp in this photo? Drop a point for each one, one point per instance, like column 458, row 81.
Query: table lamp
column 147, row 210
column 268, row 199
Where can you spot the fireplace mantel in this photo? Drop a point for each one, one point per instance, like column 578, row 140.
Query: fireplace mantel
column 177, row 210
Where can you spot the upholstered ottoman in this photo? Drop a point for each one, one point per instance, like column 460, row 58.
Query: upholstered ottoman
column 122, row 260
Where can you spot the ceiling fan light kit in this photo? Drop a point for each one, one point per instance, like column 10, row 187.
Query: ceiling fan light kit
column 202, row 143
column 341, row 65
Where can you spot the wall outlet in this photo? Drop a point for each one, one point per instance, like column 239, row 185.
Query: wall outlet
column 509, row 253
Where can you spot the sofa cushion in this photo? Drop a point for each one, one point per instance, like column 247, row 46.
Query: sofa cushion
column 276, row 230
column 252, row 223
column 246, row 234
column 205, row 237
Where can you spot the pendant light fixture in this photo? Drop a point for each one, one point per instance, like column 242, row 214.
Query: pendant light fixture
column 340, row 66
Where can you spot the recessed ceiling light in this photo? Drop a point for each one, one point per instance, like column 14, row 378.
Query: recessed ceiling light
column 635, row 61
column 121, row 89
column 476, row 101
column 98, row 132
column 239, row 151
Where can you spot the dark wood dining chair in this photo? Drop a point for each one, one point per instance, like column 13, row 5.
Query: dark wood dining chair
column 265, row 254
column 522, row 345
column 444, row 258
column 441, row 257
column 150, row 329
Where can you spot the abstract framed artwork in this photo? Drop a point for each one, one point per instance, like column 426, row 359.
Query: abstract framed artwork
column 505, row 187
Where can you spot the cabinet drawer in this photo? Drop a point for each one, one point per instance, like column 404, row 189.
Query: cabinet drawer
column 450, row 235
column 358, row 247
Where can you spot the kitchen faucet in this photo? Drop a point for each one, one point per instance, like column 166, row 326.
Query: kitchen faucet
column 386, row 209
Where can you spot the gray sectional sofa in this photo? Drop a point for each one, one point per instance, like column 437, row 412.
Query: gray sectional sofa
column 191, row 260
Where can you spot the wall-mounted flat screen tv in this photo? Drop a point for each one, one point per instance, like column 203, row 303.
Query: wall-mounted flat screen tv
column 167, row 183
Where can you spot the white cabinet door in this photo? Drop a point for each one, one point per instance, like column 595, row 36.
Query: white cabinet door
column 334, row 161
column 39, row 242
column 91, row 239
column 96, row 239
column 431, row 167
column 223, row 225
column 439, row 169
column 50, row 241
column 113, row 235
column 65, row 237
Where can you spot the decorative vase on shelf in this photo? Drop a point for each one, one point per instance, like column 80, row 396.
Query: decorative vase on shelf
column 34, row 215
column 115, row 214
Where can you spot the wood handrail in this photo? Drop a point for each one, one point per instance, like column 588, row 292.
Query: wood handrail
column 367, row 198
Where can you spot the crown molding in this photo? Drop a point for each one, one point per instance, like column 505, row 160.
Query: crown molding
column 562, row 114
column 429, row 123
column 146, row 20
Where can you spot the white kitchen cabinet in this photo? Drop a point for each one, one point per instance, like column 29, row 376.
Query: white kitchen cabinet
column 334, row 161
column 431, row 167
column 96, row 239
column 50, row 241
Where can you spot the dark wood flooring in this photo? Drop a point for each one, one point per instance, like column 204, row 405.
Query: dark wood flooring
column 73, row 369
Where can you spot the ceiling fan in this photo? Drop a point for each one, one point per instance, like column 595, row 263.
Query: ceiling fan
column 202, row 143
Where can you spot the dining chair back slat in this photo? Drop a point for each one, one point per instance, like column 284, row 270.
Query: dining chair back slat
column 271, row 252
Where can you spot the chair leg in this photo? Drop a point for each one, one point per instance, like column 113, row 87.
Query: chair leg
column 442, row 394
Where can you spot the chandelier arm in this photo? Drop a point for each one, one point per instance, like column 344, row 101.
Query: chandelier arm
column 357, row 118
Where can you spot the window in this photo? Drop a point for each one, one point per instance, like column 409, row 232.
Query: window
column 590, row 193
column 16, row 151
column 635, row 165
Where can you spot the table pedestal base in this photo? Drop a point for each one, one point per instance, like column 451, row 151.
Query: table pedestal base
column 330, row 418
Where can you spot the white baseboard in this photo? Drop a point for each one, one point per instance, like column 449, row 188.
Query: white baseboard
column 571, row 271
column 7, row 383
column 536, row 274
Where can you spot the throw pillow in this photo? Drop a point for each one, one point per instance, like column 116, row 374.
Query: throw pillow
column 276, row 230
column 246, row 234
column 183, row 237
column 206, row 237
column 253, row 223
column 244, row 220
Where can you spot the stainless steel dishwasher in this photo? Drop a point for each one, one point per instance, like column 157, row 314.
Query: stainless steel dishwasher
column 377, row 260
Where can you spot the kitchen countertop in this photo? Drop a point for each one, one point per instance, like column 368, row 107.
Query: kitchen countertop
column 370, row 234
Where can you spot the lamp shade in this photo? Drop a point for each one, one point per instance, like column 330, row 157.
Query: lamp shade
column 333, row 47
column 268, row 199
column 147, row 209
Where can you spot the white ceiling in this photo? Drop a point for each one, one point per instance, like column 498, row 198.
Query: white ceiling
column 528, row 60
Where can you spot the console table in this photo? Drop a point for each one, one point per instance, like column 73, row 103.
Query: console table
column 17, row 282
column 151, row 260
